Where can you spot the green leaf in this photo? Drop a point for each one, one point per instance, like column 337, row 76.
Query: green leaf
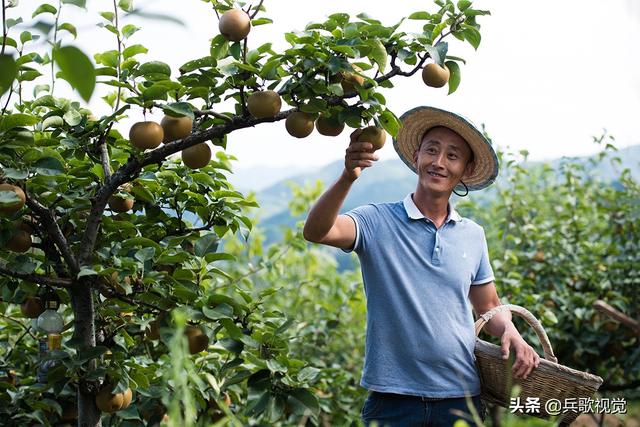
column 52, row 121
column 378, row 54
column 420, row 15
column 206, row 244
column 79, row 3
column 307, row 398
column 25, row 36
column 49, row 166
column 463, row 5
column 129, row 30
column 77, row 70
column 261, row 21
column 134, row 50
column 9, row 41
column 17, row 120
column 154, row 68
column 44, row 8
column 15, row 173
column 72, row 117
column 390, row 123
column 87, row 271
column 179, row 109
column 236, row 50
column 139, row 377
column 454, row 76
column 126, row 5
column 108, row 58
column 9, row 72
column 472, row 35
column 68, row 27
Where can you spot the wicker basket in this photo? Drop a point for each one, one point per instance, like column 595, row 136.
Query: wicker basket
column 549, row 380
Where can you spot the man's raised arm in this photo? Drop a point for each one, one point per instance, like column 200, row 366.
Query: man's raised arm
column 323, row 224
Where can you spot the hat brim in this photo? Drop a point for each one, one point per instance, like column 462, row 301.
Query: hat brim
column 416, row 122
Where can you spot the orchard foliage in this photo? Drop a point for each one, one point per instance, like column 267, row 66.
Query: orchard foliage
column 131, row 279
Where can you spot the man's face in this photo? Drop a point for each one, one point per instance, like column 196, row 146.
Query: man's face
column 442, row 159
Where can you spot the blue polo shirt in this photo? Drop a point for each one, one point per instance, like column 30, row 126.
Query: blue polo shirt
column 420, row 336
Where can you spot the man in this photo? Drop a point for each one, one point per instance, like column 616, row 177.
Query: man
column 424, row 267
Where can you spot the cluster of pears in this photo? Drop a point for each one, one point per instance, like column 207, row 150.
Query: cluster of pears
column 434, row 75
column 198, row 341
column 110, row 402
column 149, row 135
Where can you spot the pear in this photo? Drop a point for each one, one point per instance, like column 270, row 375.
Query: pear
column 374, row 135
column 197, row 156
column 32, row 307
column 350, row 80
column 329, row 126
column 299, row 124
column 234, row 25
column 434, row 75
column 198, row 341
column 146, row 135
column 263, row 104
column 20, row 241
column 109, row 402
column 10, row 209
column 127, row 396
column 120, row 204
column 176, row 128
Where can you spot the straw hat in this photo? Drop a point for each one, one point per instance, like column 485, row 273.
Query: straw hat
column 416, row 122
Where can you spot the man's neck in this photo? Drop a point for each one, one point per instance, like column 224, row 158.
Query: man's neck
column 432, row 206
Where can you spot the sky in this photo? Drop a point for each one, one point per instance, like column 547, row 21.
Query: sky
column 546, row 78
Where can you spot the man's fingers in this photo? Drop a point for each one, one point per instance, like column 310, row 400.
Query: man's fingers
column 359, row 146
column 355, row 134
column 362, row 156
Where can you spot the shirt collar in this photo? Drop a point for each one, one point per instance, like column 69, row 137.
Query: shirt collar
column 414, row 213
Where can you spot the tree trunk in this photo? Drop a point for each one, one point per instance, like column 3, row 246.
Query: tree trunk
column 88, row 413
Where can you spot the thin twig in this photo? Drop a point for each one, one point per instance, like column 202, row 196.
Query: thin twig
column 5, row 31
column 55, row 43
column 212, row 113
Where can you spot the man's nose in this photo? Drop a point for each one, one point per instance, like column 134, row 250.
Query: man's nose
column 438, row 160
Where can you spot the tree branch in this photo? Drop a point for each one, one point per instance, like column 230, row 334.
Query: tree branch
column 255, row 12
column 49, row 221
column 59, row 282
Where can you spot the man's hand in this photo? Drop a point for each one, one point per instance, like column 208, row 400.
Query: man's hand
column 359, row 155
column 526, row 357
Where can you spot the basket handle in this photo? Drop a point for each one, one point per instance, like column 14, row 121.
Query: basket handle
column 530, row 319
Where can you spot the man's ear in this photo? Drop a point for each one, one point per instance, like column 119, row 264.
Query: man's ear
column 415, row 157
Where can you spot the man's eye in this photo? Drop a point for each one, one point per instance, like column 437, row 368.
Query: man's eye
column 453, row 156
column 431, row 150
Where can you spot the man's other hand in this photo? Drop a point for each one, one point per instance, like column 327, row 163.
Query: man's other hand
column 526, row 358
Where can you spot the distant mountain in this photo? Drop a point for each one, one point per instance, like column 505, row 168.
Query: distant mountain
column 390, row 181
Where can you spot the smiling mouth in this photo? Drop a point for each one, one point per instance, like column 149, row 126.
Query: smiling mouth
column 437, row 175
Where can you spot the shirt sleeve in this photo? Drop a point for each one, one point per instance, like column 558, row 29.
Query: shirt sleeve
column 484, row 274
column 363, row 216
